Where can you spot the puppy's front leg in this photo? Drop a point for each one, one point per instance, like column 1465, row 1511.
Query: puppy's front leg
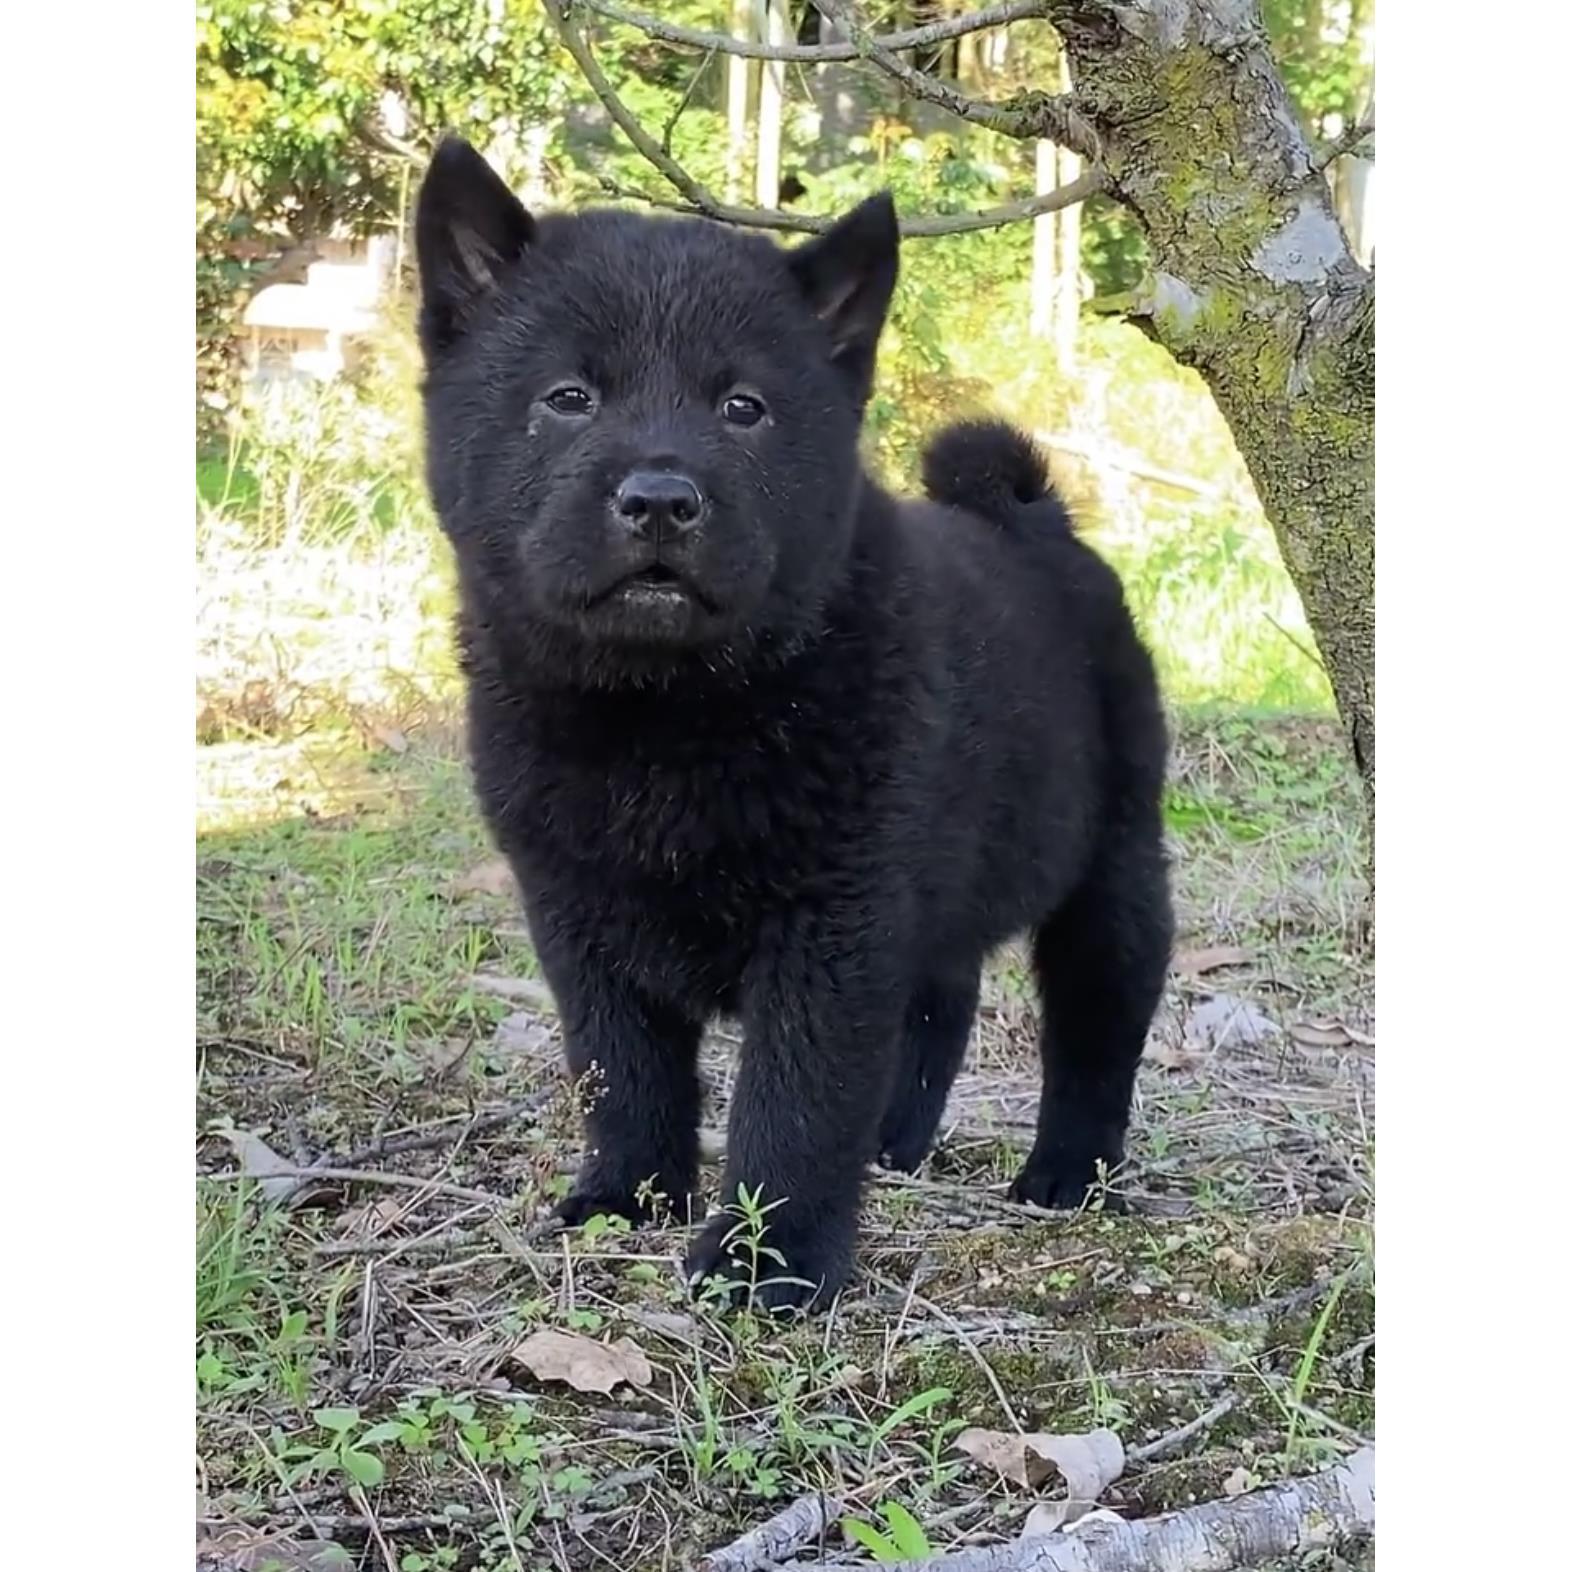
column 821, row 1018
column 634, row 1060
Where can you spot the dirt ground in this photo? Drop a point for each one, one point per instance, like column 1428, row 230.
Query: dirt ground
column 367, row 1004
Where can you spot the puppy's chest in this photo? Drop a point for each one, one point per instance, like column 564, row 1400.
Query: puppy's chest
column 735, row 818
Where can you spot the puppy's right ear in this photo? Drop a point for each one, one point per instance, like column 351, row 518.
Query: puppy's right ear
column 469, row 229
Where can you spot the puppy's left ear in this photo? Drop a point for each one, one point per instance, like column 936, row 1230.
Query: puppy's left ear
column 847, row 275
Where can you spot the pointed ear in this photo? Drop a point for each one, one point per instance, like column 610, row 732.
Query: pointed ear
column 469, row 228
column 848, row 275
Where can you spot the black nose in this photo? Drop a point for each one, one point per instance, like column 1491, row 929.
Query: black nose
column 656, row 503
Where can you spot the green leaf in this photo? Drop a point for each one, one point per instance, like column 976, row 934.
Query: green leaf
column 906, row 1531
column 388, row 1430
column 920, row 1404
column 338, row 1420
column 365, row 1468
column 870, row 1539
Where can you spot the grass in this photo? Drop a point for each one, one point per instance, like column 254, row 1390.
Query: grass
column 366, row 996
column 352, row 1353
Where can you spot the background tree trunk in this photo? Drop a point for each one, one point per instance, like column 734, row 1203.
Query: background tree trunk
column 1056, row 247
column 1254, row 285
column 737, row 74
column 771, row 22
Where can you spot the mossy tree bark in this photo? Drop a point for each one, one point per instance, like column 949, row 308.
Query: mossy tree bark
column 1253, row 284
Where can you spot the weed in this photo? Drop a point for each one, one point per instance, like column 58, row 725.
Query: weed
column 905, row 1540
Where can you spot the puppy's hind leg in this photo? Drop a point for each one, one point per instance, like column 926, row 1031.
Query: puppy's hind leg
column 938, row 1024
column 1101, row 961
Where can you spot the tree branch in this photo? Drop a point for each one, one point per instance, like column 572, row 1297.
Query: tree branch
column 923, row 226
column 1361, row 131
column 1042, row 115
column 820, row 54
column 698, row 198
column 384, row 141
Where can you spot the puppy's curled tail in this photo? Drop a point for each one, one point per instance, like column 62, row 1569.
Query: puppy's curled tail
column 992, row 468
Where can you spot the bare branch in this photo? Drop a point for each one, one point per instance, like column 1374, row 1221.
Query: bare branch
column 922, row 226
column 1361, row 131
column 683, row 102
column 573, row 41
column 384, row 141
column 699, row 199
column 821, row 54
column 1045, row 115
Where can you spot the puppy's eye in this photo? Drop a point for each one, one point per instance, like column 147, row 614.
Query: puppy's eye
column 742, row 409
column 570, row 400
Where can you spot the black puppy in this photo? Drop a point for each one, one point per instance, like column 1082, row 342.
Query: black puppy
column 757, row 738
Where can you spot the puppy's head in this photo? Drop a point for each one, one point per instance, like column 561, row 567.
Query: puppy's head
column 642, row 433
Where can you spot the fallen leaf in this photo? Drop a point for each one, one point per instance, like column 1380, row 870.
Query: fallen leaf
column 1169, row 1055
column 586, row 1366
column 669, row 1323
column 712, row 1145
column 492, row 877
column 1088, row 1464
column 1320, row 1034
column 275, row 1175
column 1237, row 1482
column 1226, row 1021
column 522, row 1033
column 1096, row 1515
column 391, row 738
column 372, row 1218
column 1192, row 963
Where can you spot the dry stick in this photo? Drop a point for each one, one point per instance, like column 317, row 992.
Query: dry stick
column 369, row 1176
column 1164, row 1445
column 779, row 1538
column 358, row 1496
column 820, row 54
column 340, row 1524
column 699, row 199
column 423, row 1140
column 1284, row 1520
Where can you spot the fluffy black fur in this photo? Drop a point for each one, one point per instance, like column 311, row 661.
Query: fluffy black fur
column 759, row 739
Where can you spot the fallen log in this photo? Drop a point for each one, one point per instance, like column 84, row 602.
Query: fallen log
column 1334, row 1507
column 805, row 1522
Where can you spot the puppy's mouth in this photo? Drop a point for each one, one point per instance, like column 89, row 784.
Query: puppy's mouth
column 656, row 583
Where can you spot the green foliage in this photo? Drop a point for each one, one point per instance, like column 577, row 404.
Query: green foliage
column 284, row 89
column 289, row 95
column 1320, row 50
column 905, row 1540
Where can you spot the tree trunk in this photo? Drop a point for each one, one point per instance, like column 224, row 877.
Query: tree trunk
column 1254, row 285
column 737, row 102
column 1354, row 191
column 771, row 22
column 1056, row 248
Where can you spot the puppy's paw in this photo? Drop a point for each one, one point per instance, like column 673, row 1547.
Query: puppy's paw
column 778, row 1273
column 597, row 1190
column 1066, row 1182
column 903, row 1156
